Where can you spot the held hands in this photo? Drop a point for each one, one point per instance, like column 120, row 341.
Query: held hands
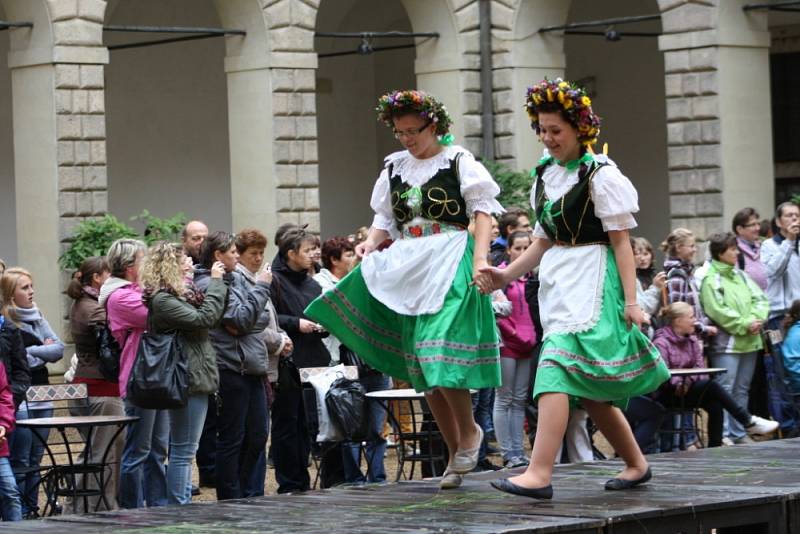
column 488, row 278
column 217, row 270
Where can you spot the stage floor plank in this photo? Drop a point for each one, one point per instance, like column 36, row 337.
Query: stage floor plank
column 691, row 491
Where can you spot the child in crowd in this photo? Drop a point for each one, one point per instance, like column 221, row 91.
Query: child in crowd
column 680, row 348
column 10, row 505
column 516, row 357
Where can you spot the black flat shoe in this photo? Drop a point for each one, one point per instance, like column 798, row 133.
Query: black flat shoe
column 503, row 484
column 616, row 484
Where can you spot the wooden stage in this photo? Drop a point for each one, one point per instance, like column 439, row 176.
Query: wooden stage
column 744, row 489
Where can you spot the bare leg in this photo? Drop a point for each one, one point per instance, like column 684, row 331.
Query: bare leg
column 615, row 428
column 444, row 419
column 460, row 402
column 553, row 416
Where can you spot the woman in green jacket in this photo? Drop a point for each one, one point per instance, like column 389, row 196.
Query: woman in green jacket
column 739, row 308
column 175, row 305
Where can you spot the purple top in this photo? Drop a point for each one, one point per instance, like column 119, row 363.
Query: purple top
column 751, row 252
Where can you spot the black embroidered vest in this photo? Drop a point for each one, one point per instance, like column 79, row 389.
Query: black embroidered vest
column 570, row 220
column 440, row 199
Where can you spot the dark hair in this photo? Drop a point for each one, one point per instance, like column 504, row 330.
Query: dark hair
column 293, row 239
column 83, row 276
column 719, row 243
column 792, row 316
column 742, row 216
column 510, row 218
column 766, row 228
column 333, row 248
column 215, row 242
column 519, row 234
column 250, row 237
column 553, row 107
column 281, row 231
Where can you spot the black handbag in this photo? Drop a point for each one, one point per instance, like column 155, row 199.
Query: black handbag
column 108, row 352
column 159, row 379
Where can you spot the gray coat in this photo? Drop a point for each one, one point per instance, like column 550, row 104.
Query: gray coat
column 239, row 339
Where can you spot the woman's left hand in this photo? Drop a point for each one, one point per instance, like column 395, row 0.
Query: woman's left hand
column 634, row 316
column 481, row 279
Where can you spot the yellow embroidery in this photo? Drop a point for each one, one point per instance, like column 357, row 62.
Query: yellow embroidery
column 400, row 213
column 441, row 205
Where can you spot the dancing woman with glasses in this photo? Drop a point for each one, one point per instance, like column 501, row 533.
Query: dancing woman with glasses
column 593, row 351
column 413, row 310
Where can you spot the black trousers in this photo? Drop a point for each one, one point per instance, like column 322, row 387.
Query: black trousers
column 291, row 443
column 242, row 430
column 709, row 395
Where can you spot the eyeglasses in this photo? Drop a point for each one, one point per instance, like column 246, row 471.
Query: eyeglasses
column 410, row 133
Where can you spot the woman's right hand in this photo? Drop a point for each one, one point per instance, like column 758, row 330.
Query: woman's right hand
column 364, row 248
column 496, row 279
column 217, row 270
column 660, row 280
column 308, row 327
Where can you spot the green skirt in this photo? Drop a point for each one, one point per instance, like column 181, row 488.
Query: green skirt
column 609, row 362
column 457, row 347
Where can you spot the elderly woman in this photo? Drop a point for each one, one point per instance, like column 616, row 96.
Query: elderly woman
column 403, row 309
column 739, row 309
column 176, row 308
column 593, row 350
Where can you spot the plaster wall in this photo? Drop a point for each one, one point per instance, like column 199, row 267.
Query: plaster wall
column 167, row 117
column 352, row 143
column 629, row 83
column 8, row 213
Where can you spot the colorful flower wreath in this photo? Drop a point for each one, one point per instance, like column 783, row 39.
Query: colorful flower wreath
column 573, row 100
column 427, row 106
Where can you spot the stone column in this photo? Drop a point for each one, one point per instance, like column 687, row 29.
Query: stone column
column 719, row 126
column 59, row 134
column 523, row 57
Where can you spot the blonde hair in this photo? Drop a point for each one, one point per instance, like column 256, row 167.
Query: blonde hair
column 8, row 286
column 676, row 310
column 162, row 269
column 677, row 237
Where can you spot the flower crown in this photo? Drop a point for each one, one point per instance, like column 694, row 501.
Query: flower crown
column 427, row 106
column 573, row 100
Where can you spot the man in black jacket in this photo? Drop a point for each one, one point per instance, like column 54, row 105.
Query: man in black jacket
column 15, row 360
column 292, row 291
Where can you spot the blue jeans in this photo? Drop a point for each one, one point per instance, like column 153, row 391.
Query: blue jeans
column 26, row 453
column 242, row 431
column 510, row 401
column 185, row 427
column 645, row 416
column 10, row 506
column 736, row 382
column 376, row 445
column 482, row 407
column 143, row 476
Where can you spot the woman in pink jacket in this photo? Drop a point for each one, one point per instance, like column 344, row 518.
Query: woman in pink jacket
column 516, row 357
column 142, row 470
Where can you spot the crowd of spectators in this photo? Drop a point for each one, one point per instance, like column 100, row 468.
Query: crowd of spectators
column 240, row 318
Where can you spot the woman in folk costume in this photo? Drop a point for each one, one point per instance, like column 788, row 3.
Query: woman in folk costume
column 593, row 350
column 413, row 310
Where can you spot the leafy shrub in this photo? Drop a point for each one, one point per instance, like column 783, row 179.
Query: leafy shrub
column 515, row 186
column 93, row 237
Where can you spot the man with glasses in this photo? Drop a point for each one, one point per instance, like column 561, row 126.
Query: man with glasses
column 782, row 261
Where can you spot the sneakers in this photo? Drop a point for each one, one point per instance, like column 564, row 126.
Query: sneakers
column 759, row 425
column 516, row 461
column 727, row 442
column 744, row 440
